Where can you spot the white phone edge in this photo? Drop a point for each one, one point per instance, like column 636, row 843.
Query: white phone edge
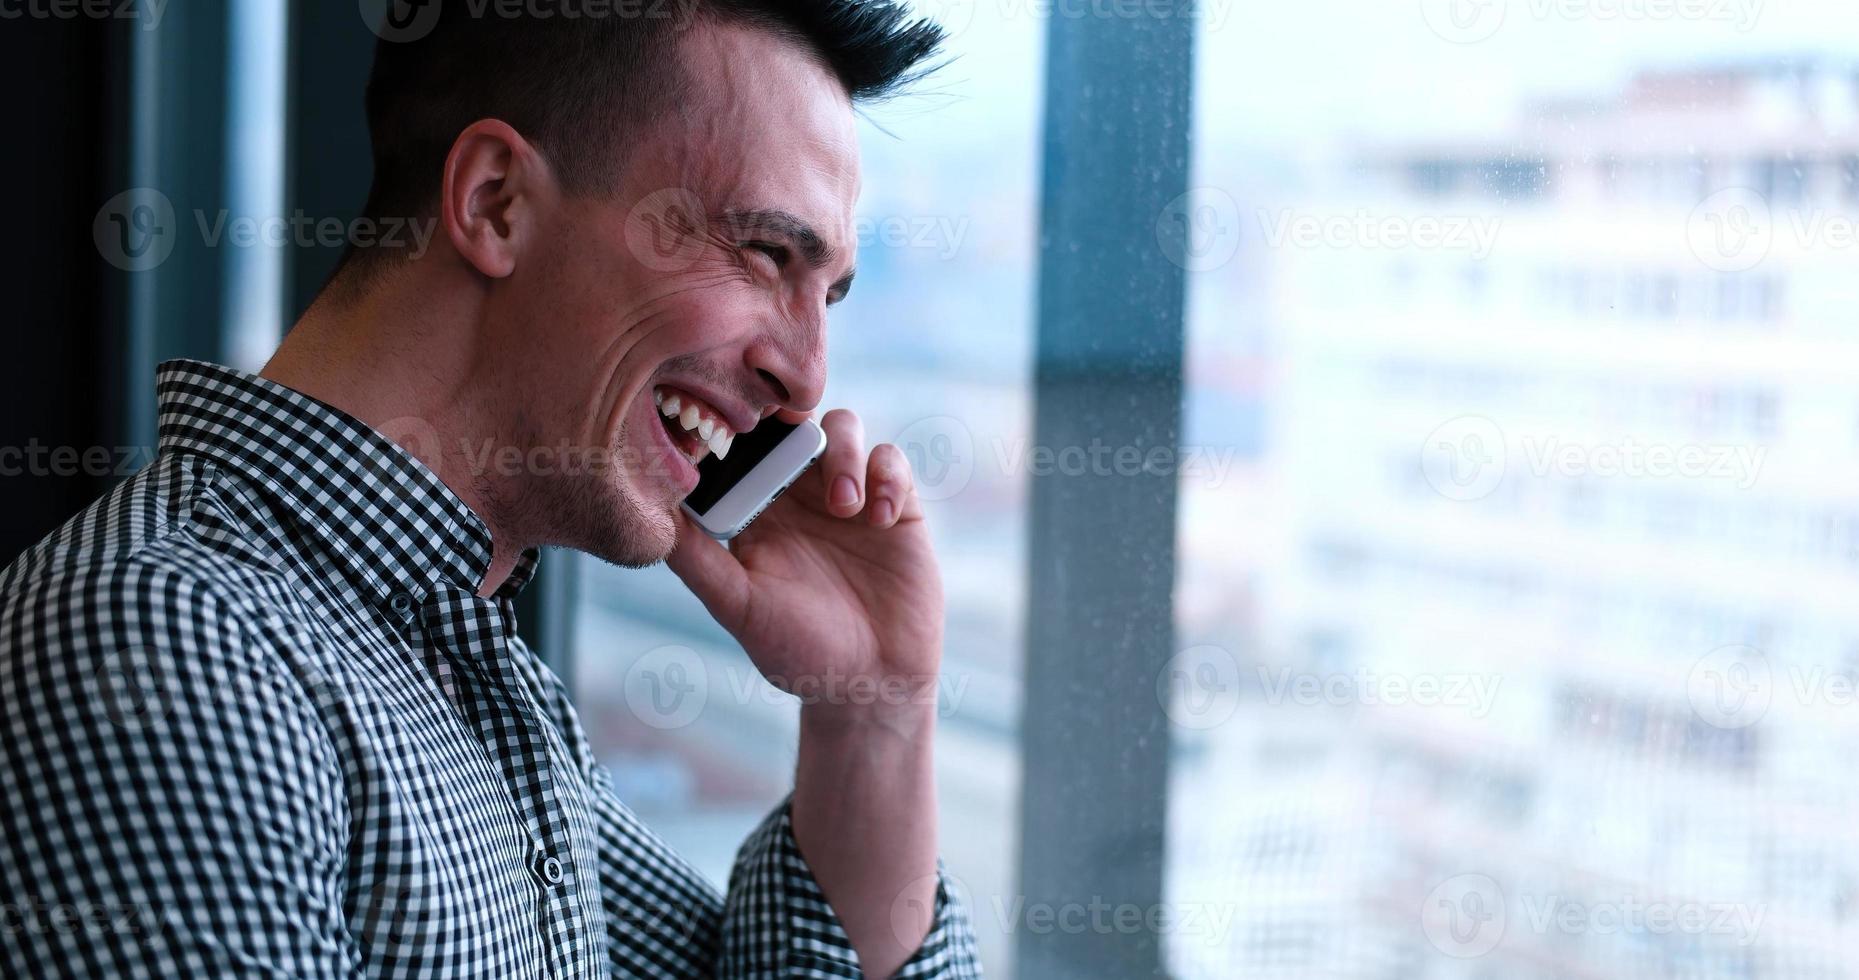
column 740, row 506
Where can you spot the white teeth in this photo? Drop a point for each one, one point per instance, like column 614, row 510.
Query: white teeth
column 713, row 434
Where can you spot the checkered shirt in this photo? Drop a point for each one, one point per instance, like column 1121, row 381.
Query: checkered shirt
column 257, row 722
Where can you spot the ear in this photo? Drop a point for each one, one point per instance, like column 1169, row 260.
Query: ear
column 495, row 189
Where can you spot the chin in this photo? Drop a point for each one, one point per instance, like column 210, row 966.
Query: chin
column 613, row 524
column 639, row 540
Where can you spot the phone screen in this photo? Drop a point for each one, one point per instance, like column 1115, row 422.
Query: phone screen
column 716, row 476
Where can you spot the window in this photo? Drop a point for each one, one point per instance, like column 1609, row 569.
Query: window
column 254, row 278
column 1522, row 641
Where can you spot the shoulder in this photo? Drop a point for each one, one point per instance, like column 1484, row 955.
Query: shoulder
column 154, row 572
column 157, row 746
column 140, row 663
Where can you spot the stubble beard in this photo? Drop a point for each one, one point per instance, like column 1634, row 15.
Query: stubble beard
column 605, row 514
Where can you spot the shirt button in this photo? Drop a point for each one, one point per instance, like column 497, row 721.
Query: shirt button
column 551, row 868
column 402, row 605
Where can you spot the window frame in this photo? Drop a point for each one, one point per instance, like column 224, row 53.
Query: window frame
column 1095, row 736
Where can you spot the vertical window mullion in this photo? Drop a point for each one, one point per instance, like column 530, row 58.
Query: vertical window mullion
column 1108, row 370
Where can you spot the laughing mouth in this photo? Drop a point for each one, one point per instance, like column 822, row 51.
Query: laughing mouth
column 696, row 428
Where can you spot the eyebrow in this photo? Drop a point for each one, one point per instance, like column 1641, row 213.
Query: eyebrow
column 785, row 224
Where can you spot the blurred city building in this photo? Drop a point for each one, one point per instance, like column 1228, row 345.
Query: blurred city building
column 1449, row 497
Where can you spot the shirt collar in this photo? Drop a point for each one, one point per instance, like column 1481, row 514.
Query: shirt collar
column 383, row 514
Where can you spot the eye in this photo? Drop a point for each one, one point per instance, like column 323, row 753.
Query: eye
column 778, row 254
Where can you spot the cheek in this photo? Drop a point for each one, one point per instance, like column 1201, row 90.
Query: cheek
column 689, row 330
column 598, row 341
column 703, row 321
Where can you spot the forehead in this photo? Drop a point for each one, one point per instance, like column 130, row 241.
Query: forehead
column 766, row 127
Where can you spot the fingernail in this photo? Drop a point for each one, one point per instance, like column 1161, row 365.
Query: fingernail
column 845, row 492
column 882, row 510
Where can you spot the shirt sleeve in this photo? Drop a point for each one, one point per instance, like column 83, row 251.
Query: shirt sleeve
column 172, row 806
column 778, row 924
column 664, row 919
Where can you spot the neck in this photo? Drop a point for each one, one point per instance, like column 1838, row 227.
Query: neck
column 406, row 369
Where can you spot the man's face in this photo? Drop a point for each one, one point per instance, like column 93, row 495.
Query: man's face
column 704, row 282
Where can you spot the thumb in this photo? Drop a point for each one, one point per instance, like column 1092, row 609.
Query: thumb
column 713, row 574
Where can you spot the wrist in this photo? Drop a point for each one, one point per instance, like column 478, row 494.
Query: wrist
column 904, row 710
column 864, row 818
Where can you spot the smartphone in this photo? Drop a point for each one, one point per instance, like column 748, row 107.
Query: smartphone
column 762, row 462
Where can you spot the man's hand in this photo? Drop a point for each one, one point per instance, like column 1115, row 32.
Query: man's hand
column 835, row 596
column 835, row 582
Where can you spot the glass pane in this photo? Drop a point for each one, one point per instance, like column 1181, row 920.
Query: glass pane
column 932, row 348
column 1520, row 636
column 255, row 110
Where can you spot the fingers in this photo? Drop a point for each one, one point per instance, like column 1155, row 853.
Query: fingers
column 843, row 466
column 712, row 573
column 890, row 486
column 880, row 486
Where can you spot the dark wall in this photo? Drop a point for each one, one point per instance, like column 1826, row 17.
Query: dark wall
column 87, row 334
column 96, row 107
column 331, row 49
column 65, row 156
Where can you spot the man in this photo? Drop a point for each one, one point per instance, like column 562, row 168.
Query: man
column 266, row 711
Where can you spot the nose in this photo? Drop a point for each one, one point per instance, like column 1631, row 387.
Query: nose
column 791, row 361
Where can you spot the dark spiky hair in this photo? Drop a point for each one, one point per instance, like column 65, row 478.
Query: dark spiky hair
column 582, row 87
